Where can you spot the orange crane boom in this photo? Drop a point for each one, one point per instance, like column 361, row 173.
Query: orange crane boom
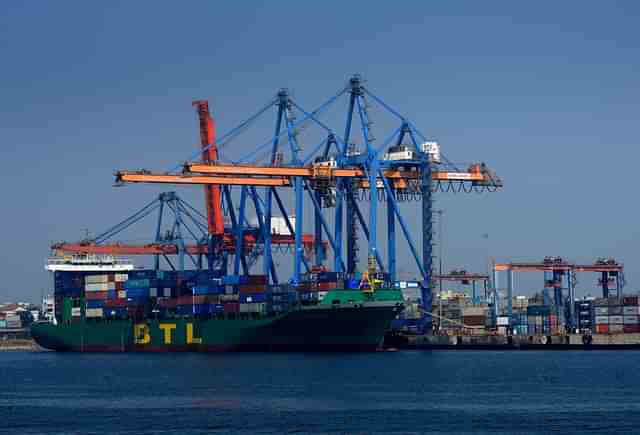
column 213, row 199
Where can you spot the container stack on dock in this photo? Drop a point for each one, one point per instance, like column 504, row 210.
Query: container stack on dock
column 475, row 316
column 630, row 313
column 539, row 319
column 615, row 316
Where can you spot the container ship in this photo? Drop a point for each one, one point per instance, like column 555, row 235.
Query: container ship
column 222, row 305
column 103, row 304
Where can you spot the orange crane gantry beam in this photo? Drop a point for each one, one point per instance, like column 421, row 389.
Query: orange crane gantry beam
column 171, row 249
column 325, row 171
column 542, row 267
column 280, row 177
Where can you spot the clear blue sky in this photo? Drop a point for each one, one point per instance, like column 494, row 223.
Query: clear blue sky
column 547, row 93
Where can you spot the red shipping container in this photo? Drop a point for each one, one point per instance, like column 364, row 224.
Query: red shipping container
column 232, row 307
column 168, row 303
column 257, row 279
column 111, row 278
column 252, row 288
column 323, row 286
column 119, row 285
column 197, row 299
column 135, row 311
column 631, row 329
column 602, row 329
column 305, row 287
column 184, row 300
column 113, row 303
column 96, row 296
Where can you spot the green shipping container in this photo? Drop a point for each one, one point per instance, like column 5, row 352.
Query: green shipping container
column 66, row 309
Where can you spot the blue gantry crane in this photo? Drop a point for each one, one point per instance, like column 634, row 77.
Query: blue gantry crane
column 332, row 180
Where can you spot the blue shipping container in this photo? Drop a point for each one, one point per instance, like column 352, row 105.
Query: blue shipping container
column 136, row 300
column 217, row 308
column 231, row 280
column 254, row 297
column 115, row 312
column 352, row 284
column 141, row 274
column 538, row 310
column 137, row 284
column 208, row 290
column 138, row 293
column 95, row 304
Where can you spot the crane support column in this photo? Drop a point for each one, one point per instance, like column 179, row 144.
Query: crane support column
column 557, row 295
column 391, row 232
column 337, row 254
column 572, row 306
column 156, row 260
column 317, row 231
column 239, row 233
column 427, row 247
column 510, row 296
column 348, row 187
column 298, row 236
column 373, row 210
column 266, row 233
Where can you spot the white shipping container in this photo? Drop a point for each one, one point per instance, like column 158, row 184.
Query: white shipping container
column 76, row 311
column 121, row 277
column 615, row 320
column 602, row 320
column 98, row 287
column 503, row 321
column 122, row 294
column 630, row 310
column 96, row 279
column 111, row 285
column 167, row 292
column 602, row 311
column 229, row 298
column 474, row 311
column 616, row 328
column 153, row 292
column 630, row 319
column 253, row 307
column 93, row 312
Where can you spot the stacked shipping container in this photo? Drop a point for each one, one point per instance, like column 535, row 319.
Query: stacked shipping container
column 150, row 293
column 612, row 317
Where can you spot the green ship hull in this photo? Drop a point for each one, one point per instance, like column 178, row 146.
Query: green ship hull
column 351, row 326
